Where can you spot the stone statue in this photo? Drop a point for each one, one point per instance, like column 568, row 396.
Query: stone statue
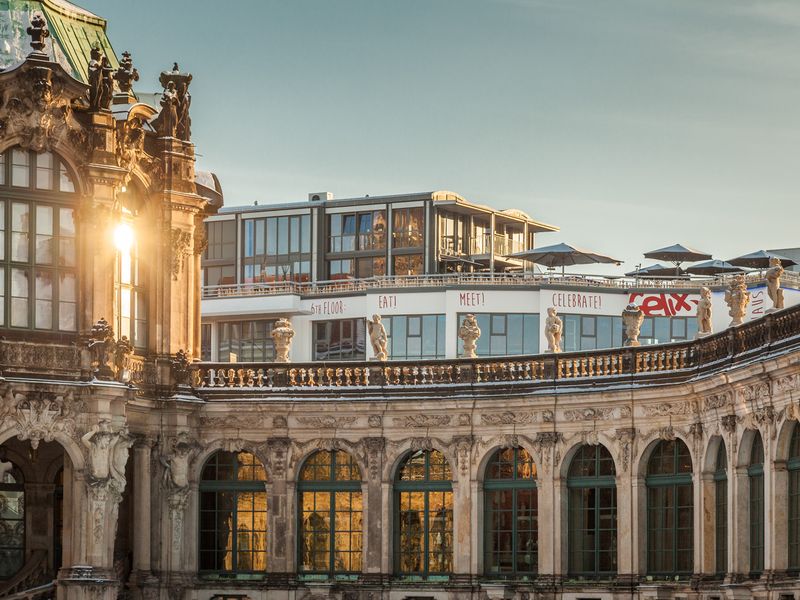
column 98, row 440
column 184, row 127
column 469, row 332
column 176, row 465
column 119, row 455
column 95, row 79
column 107, row 87
column 38, row 32
column 167, row 121
column 632, row 318
column 282, row 334
column 737, row 298
column 774, row 283
column 378, row 337
column 553, row 328
column 704, row 306
column 126, row 74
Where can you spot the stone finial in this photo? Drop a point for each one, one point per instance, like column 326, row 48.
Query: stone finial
column 38, row 32
column 632, row 318
column 181, row 367
column 101, row 345
column 469, row 332
column 704, row 308
column 553, row 329
column 126, row 74
column 282, row 334
column 774, row 290
column 737, row 298
column 378, row 337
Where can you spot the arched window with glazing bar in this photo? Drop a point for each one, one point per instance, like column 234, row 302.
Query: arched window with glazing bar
column 510, row 515
column 12, row 523
column 233, row 515
column 331, row 515
column 424, row 516
column 755, row 476
column 721, row 510
column 38, row 255
column 592, row 508
column 670, row 510
column 793, row 466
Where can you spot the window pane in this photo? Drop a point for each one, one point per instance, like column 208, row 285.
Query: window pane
column 2, row 168
column 65, row 183
column 20, row 226
column 2, row 226
column 66, row 232
column 44, row 234
column 20, row 168
column 44, row 171
column 19, row 298
column 67, row 298
column 44, row 300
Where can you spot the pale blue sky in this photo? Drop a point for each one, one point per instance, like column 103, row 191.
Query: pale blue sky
column 630, row 124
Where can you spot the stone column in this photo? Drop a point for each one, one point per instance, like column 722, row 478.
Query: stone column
column 639, row 524
column 292, row 530
column 740, row 534
column 776, row 530
column 626, row 530
column 280, row 517
column 697, row 516
column 548, row 487
column 708, row 523
column 462, row 507
column 373, row 450
column 142, row 508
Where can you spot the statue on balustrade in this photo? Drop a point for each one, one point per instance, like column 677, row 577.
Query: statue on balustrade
column 469, row 332
column 378, row 337
column 167, row 121
column 282, row 334
column 704, row 307
column 737, row 298
column 774, row 290
column 632, row 319
column 553, row 329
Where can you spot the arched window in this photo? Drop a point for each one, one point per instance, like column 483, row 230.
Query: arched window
column 670, row 510
column 424, row 515
column 794, row 500
column 721, row 510
column 38, row 256
column 511, row 508
column 331, row 514
column 130, row 288
column 12, row 521
column 755, row 473
column 233, row 514
column 592, row 506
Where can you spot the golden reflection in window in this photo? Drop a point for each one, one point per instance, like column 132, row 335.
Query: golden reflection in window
column 331, row 514
column 414, row 468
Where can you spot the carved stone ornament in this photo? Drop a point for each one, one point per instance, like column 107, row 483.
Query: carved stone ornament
column 282, row 334
column 39, row 33
column 469, row 332
column 375, row 421
column 545, row 448
column 716, row 400
column 625, row 439
column 174, row 119
column 704, row 313
column 632, row 319
column 180, row 243
column 737, row 298
column 378, row 337
column 182, row 368
column 463, row 446
column 326, row 422
column 176, row 461
column 374, row 450
column 278, row 449
column 774, row 274
column 418, row 444
column 508, row 418
column 670, row 409
column 130, row 143
column 36, row 108
column 553, row 328
column 102, row 349
column 728, row 423
column 422, row 420
column 126, row 74
column 38, row 416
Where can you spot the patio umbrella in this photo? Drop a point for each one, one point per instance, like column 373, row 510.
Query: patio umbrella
column 656, row 270
column 713, row 267
column 677, row 254
column 760, row 260
column 562, row 255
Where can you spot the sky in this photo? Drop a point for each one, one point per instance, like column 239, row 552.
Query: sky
column 630, row 124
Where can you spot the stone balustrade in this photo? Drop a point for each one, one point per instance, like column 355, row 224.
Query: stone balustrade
column 675, row 361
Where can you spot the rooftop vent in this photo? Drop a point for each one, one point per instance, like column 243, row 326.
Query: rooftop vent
column 317, row 196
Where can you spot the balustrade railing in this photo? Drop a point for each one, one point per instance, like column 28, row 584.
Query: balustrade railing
column 790, row 279
column 774, row 331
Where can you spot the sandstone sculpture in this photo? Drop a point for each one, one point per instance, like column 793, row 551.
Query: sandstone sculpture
column 553, row 328
column 282, row 335
column 704, row 306
column 378, row 337
column 774, row 283
column 632, row 318
column 167, row 122
column 469, row 332
column 737, row 298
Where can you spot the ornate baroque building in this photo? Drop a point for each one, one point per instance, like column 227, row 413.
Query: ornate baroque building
column 130, row 469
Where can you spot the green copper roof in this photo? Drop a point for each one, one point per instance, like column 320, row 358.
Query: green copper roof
column 73, row 32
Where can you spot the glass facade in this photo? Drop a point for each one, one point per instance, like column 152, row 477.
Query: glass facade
column 331, row 514
column 361, row 236
column 424, row 516
column 662, row 330
column 340, row 339
column 276, row 249
column 590, row 332
column 12, row 523
column 408, row 227
column 755, row 474
column 233, row 515
column 721, row 510
column 415, row 336
column 793, row 466
column 511, row 512
column 219, row 260
column 670, row 510
column 38, row 252
column 592, row 509
column 504, row 334
column 245, row 341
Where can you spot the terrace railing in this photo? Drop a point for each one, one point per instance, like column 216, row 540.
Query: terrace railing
column 645, row 364
column 321, row 288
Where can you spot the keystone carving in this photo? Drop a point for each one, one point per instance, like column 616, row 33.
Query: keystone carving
column 39, row 417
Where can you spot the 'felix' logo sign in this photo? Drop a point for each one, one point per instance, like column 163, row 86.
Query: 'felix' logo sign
column 665, row 305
